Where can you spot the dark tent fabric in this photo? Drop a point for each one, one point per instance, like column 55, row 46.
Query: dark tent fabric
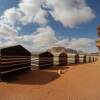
column 76, row 59
column 84, row 59
column 14, row 58
column 63, row 59
column 89, row 59
column 45, row 60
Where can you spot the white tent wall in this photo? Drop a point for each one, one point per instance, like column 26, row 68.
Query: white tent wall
column 87, row 59
column 34, row 61
column 56, row 60
column 71, row 58
column 81, row 58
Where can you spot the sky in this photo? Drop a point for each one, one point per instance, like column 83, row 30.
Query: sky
column 42, row 24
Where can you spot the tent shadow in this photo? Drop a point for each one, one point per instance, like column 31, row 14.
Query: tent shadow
column 35, row 77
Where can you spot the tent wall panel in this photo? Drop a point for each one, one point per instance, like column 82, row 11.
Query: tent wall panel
column 71, row 58
column 42, row 61
column 77, row 59
column 81, row 58
column 34, row 61
column 84, row 59
column 87, row 59
column 63, row 59
column 56, row 60
column 14, row 58
column 90, row 59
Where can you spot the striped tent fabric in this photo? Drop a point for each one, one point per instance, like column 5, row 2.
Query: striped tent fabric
column 14, row 58
column 81, row 58
column 45, row 60
column 63, row 59
column 41, row 60
column 77, row 59
column 87, row 59
column 71, row 58
column 84, row 59
column 90, row 59
column 57, row 54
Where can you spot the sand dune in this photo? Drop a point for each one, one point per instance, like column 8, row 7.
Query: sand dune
column 79, row 82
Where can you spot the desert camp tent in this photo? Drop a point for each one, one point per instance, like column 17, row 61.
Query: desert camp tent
column 77, row 59
column 71, row 58
column 95, row 58
column 82, row 58
column 90, row 58
column 14, row 58
column 56, row 51
column 63, row 59
column 59, row 52
column 87, row 58
column 42, row 60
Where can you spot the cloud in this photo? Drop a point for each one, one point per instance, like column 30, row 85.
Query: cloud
column 33, row 12
column 41, row 40
column 80, row 44
column 70, row 12
column 44, row 38
column 7, row 41
column 41, row 17
column 7, row 30
column 12, row 15
column 28, row 11
column 25, row 40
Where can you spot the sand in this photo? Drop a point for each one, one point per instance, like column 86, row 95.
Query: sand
column 77, row 82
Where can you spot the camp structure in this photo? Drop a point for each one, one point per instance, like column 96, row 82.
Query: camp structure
column 63, row 59
column 41, row 60
column 76, row 58
column 82, row 58
column 63, row 56
column 71, row 58
column 95, row 58
column 87, row 58
column 90, row 59
column 14, row 58
column 58, row 52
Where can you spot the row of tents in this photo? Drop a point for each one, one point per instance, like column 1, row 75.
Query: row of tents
column 59, row 56
column 17, row 58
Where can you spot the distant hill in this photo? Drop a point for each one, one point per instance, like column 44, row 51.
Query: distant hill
column 61, row 49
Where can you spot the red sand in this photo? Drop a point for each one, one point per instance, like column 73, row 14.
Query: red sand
column 79, row 82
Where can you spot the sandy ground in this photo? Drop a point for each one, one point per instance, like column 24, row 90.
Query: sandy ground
column 79, row 82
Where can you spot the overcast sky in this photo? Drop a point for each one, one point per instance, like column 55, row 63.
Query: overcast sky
column 41, row 24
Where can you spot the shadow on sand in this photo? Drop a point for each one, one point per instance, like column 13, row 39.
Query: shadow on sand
column 34, row 77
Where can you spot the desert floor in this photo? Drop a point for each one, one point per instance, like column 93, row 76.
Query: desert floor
column 78, row 82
